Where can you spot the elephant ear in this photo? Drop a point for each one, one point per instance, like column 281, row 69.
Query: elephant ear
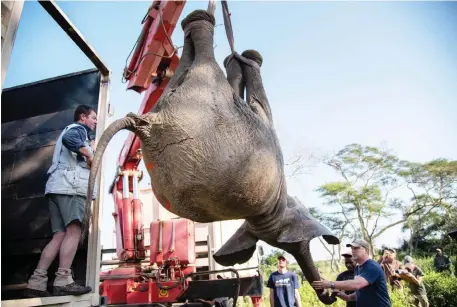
column 301, row 226
column 238, row 249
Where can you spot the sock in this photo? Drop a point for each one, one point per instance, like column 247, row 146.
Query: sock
column 38, row 281
column 63, row 277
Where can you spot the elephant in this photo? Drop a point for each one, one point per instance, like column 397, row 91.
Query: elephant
column 213, row 156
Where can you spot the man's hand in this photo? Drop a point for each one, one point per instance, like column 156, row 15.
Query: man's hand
column 342, row 295
column 89, row 162
column 320, row 284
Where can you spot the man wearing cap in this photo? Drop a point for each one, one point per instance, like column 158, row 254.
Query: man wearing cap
column 442, row 262
column 390, row 265
column 283, row 286
column 347, row 275
column 369, row 284
column 414, row 276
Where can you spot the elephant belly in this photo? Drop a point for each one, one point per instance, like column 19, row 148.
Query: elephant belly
column 213, row 176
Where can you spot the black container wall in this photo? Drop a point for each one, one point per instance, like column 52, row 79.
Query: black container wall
column 33, row 116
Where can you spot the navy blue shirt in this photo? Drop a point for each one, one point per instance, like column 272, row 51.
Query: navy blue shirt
column 376, row 293
column 347, row 275
column 284, row 286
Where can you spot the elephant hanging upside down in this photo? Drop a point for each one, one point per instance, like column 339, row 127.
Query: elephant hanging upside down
column 216, row 157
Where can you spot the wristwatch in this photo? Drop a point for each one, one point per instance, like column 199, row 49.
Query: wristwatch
column 332, row 285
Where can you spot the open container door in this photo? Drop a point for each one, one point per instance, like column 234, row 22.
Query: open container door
column 33, row 116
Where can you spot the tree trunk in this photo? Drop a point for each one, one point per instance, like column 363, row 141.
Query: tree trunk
column 411, row 242
column 370, row 245
column 335, row 260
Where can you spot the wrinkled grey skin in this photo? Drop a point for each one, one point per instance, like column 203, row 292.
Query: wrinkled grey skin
column 217, row 157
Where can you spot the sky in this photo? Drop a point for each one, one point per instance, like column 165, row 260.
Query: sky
column 336, row 73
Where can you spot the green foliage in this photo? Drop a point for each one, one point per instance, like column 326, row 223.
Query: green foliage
column 441, row 289
column 363, row 198
column 272, row 258
column 434, row 189
column 400, row 298
column 363, row 202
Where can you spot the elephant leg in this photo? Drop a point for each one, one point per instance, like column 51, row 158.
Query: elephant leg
column 256, row 96
column 235, row 75
column 200, row 26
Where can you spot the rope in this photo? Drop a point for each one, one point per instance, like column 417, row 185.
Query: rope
column 228, row 25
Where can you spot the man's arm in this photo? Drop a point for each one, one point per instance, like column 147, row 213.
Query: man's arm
column 272, row 297
column 296, row 293
column 74, row 140
column 352, row 285
column 297, row 298
column 347, row 285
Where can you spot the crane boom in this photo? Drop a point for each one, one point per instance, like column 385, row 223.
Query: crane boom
column 151, row 66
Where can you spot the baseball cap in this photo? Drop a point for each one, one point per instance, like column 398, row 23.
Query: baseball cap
column 347, row 254
column 281, row 257
column 358, row 243
column 439, row 250
column 407, row 259
column 391, row 249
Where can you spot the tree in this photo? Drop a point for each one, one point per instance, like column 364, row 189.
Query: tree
column 434, row 188
column 364, row 197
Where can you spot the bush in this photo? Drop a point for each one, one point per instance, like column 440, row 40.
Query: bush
column 441, row 289
column 400, row 298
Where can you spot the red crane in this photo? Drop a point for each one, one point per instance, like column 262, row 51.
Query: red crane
column 151, row 66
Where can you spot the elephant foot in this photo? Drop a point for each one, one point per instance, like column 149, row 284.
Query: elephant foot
column 253, row 55
column 198, row 15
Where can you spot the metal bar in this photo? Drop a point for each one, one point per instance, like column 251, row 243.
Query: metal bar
column 173, row 235
column 125, row 184
column 211, row 7
column 94, row 238
column 91, row 299
column 10, row 35
column 64, row 22
column 117, row 262
column 136, row 191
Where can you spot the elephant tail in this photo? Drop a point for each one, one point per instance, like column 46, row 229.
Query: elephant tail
column 128, row 123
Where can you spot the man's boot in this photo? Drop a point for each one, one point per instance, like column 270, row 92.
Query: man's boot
column 37, row 284
column 65, row 285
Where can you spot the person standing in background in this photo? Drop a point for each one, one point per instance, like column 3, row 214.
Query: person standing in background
column 390, row 266
column 414, row 277
column 441, row 261
column 283, row 286
column 347, row 275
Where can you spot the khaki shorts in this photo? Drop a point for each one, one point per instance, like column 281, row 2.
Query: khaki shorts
column 65, row 209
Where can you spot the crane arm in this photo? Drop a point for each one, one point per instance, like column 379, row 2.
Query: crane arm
column 152, row 64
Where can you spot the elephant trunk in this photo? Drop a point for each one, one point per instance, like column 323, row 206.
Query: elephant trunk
column 304, row 259
column 120, row 124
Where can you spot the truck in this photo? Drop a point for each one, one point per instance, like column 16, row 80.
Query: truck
column 167, row 262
